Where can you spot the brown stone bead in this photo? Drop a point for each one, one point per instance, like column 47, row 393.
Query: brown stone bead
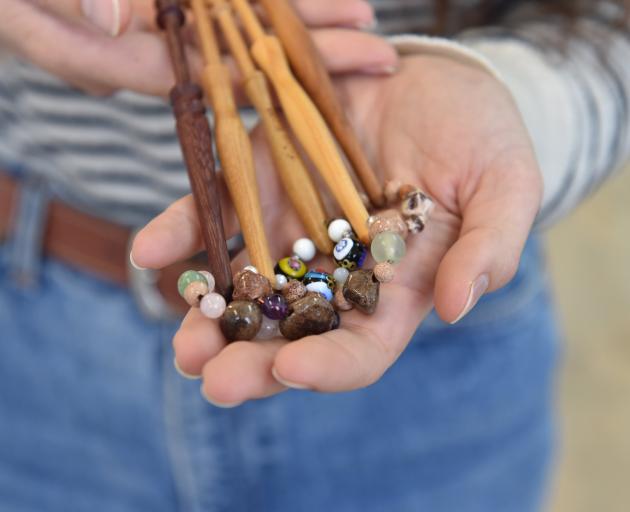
column 241, row 321
column 194, row 292
column 294, row 290
column 340, row 302
column 362, row 290
column 249, row 285
column 384, row 272
column 310, row 315
column 391, row 191
column 389, row 220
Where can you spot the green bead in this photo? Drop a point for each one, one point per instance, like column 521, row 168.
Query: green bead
column 388, row 246
column 188, row 277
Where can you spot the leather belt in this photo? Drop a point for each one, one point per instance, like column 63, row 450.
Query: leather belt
column 100, row 247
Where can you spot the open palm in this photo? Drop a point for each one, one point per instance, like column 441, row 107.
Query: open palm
column 449, row 128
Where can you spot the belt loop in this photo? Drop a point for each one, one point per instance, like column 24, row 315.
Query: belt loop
column 25, row 242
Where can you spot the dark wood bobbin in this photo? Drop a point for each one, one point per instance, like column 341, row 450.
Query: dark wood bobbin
column 195, row 138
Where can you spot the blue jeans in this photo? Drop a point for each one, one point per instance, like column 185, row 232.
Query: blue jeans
column 93, row 417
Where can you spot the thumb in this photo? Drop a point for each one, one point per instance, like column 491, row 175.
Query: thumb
column 109, row 16
column 496, row 224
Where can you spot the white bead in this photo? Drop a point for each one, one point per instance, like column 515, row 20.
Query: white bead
column 305, row 249
column 251, row 268
column 281, row 281
column 338, row 228
column 210, row 278
column 341, row 275
column 269, row 329
column 213, row 305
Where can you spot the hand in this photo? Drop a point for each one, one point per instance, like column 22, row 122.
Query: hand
column 102, row 46
column 449, row 128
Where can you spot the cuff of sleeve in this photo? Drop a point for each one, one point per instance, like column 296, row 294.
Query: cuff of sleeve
column 410, row 44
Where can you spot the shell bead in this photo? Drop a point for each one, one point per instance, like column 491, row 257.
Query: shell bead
column 194, row 292
column 338, row 229
column 281, row 281
column 305, row 249
column 292, row 267
column 349, row 253
column 188, row 277
column 213, row 306
column 388, row 246
column 275, row 307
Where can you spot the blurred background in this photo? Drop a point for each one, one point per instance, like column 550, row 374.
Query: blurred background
column 589, row 257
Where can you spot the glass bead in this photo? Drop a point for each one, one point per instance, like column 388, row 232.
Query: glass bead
column 275, row 307
column 209, row 278
column 269, row 329
column 338, row 229
column 291, row 267
column 388, row 246
column 188, row 277
column 213, row 305
column 341, row 275
column 305, row 249
column 320, row 282
column 349, row 253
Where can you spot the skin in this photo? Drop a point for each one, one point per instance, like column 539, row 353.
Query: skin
column 447, row 127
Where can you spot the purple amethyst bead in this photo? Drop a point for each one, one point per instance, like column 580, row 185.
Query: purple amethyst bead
column 275, row 307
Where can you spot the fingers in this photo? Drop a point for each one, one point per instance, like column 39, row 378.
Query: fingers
column 496, row 223
column 110, row 16
column 350, row 13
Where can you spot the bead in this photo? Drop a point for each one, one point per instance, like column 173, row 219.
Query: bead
column 209, row 278
column 321, row 288
column 269, row 329
column 291, row 267
column 390, row 190
column 241, row 321
column 294, row 290
column 213, row 305
column 250, row 286
column 275, row 307
column 320, row 282
column 194, row 292
column 405, row 190
column 417, row 204
column 340, row 301
column 384, row 272
column 389, row 220
column 188, row 277
column 340, row 275
column 281, row 281
column 310, row 315
column 349, row 253
column 305, row 249
column 388, row 246
column 251, row 268
column 362, row 290
column 338, row 229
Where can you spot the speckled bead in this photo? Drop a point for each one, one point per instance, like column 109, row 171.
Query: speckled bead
column 388, row 246
column 292, row 267
column 349, row 253
column 275, row 307
column 249, row 285
column 320, row 282
column 194, row 292
column 384, row 272
column 188, row 277
column 294, row 290
column 389, row 220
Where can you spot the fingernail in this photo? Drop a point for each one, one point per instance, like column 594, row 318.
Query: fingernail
column 183, row 373
column 477, row 288
column 292, row 385
column 105, row 14
column 380, row 70
column 217, row 404
column 134, row 264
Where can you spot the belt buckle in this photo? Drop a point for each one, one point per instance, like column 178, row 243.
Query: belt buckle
column 143, row 286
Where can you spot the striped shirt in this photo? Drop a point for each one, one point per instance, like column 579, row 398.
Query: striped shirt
column 118, row 157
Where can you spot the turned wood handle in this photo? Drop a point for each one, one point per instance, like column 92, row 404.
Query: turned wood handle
column 312, row 131
column 309, row 67
column 293, row 173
